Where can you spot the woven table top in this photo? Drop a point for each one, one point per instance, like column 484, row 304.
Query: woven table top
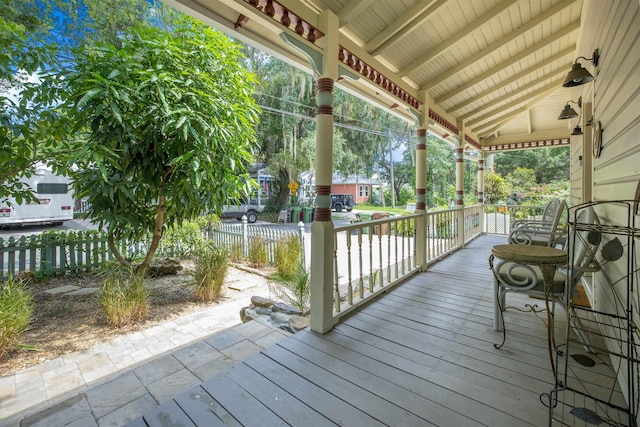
column 530, row 254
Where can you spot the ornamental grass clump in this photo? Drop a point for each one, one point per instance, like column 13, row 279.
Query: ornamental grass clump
column 258, row 254
column 288, row 257
column 210, row 269
column 16, row 307
column 124, row 298
column 235, row 251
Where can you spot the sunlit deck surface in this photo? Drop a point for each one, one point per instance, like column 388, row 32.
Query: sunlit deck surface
column 420, row 355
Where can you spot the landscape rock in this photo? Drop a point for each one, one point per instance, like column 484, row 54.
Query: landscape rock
column 263, row 311
column 262, row 302
column 278, row 314
column 285, row 308
column 164, row 267
column 249, row 314
column 279, row 317
column 298, row 323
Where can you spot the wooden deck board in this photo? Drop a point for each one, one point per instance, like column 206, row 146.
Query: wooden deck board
column 422, row 354
column 318, row 399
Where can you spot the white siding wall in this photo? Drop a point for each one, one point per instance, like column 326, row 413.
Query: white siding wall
column 613, row 27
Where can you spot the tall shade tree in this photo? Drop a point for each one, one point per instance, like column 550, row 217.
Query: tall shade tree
column 36, row 42
column 27, row 105
column 168, row 126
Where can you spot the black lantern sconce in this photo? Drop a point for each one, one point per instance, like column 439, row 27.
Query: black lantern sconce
column 568, row 112
column 579, row 75
column 576, row 130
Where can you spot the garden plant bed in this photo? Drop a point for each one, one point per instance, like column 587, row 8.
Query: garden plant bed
column 70, row 321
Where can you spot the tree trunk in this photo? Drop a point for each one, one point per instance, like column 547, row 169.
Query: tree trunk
column 116, row 253
column 157, row 235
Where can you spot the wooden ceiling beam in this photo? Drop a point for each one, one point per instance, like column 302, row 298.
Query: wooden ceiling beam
column 493, row 47
column 402, row 26
column 447, row 43
column 522, row 92
column 352, row 10
column 503, row 120
column 560, row 55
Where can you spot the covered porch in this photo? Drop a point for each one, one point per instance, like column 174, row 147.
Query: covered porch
column 422, row 354
column 485, row 76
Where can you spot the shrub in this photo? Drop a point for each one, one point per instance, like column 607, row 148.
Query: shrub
column 288, row 256
column 186, row 238
column 124, row 298
column 258, row 255
column 16, row 306
column 211, row 264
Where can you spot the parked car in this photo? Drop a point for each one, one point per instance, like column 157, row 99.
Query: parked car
column 342, row 201
column 249, row 208
column 237, row 211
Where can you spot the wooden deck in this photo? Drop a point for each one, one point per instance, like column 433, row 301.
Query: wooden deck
column 420, row 355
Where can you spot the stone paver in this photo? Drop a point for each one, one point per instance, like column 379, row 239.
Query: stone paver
column 197, row 355
column 64, row 413
column 158, row 368
column 224, row 339
column 62, row 289
column 128, row 412
column 118, row 381
column 173, row 385
column 111, row 395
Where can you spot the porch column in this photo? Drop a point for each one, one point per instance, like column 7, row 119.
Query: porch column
column 481, row 179
column 422, row 124
column 481, row 188
column 322, row 229
column 459, row 214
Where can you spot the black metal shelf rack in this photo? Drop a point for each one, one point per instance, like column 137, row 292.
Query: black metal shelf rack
column 598, row 360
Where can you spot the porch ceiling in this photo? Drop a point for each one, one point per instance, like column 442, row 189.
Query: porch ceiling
column 493, row 66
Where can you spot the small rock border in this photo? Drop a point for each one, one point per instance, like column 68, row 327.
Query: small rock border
column 277, row 314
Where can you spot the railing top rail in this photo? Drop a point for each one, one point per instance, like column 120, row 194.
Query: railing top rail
column 371, row 222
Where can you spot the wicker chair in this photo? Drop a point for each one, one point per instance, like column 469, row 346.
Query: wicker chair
column 550, row 231
column 524, row 278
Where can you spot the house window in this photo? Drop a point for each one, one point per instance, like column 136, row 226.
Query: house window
column 366, row 191
column 360, row 189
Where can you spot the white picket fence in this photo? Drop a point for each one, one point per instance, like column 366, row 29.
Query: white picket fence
column 76, row 251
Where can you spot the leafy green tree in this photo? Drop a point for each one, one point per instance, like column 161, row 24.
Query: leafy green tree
column 37, row 38
column 495, row 187
column 441, row 173
column 520, row 182
column 27, row 106
column 167, row 122
column 548, row 164
column 286, row 96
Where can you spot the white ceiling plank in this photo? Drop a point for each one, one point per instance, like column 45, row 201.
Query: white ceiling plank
column 500, row 43
column 481, row 129
column 441, row 47
column 523, row 90
column 504, row 84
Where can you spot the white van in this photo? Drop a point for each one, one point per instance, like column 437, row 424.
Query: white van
column 54, row 205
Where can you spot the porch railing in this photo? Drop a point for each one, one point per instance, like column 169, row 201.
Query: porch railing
column 371, row 256
column 498, row 218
